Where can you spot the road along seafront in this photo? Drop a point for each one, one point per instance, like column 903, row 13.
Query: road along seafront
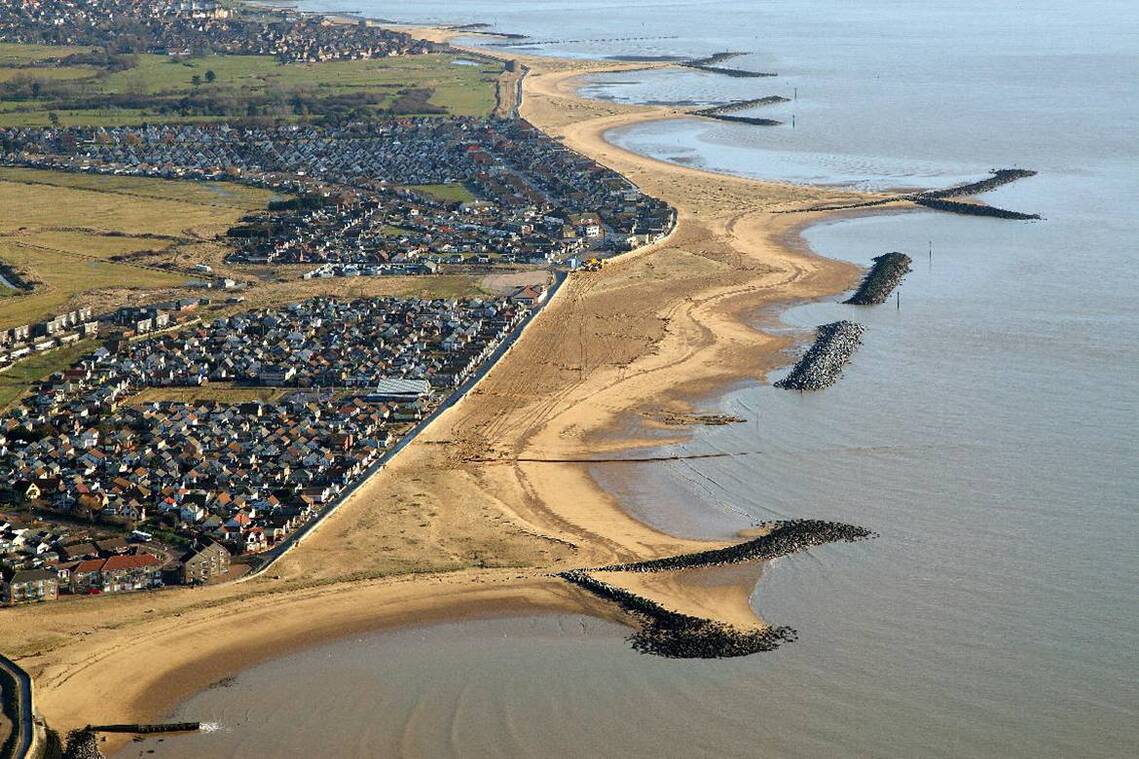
column 471, row 518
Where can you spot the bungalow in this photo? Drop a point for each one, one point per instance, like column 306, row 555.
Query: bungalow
column 529, row 295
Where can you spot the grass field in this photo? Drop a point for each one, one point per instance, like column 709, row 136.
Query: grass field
column 16, row 54
column 61, row 277
column 453, row 192
column 95, row 246
column 151, row 91
column 221, row 392
column 60, row 230
column 220, row 194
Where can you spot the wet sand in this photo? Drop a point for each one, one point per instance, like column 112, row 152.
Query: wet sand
column 444, row 534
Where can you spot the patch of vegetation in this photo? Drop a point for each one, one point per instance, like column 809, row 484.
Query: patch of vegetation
column 97, row 245
column 448, row 286
column 74, row 235
column 62, row 276
column 448, row 193
column 219, row 392
column 77, row 87
column 217, row 194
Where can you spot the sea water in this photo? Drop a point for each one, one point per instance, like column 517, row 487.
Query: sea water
column 987, row 428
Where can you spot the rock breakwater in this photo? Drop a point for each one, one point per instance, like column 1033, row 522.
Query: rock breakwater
column 785, row 537
column 671, row 634
column 974, row 209
column 741, row 105
column 753, row 120
column 939, row 200
column 999, row 178
column 821, row 366
column 887, row 272
column 680, row 636
column 711, row 65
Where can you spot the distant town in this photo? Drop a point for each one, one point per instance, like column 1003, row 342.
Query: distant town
column 191, row 26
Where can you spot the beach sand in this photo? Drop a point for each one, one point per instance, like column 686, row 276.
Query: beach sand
column 456, row 526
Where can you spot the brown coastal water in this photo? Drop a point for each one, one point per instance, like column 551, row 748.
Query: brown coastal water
column 986, row 428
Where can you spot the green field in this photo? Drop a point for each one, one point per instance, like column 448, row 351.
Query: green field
column 158, row 89
column 15, row 54
column 60, row 230
column 213, row 194
column 448, row 193
column 62, row 276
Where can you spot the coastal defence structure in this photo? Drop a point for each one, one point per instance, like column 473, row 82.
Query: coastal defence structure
column 680, row 636
column 671, row 634
column 711, row 65
column 727, row 111
column 822, row 365
column 940, row 200
column 887, row 273
column 784, row 538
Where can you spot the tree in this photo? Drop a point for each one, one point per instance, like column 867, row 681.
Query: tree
column 53, row 117
column 210, row 76
column 196, row 81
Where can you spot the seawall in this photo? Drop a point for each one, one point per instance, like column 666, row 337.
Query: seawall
column 680, row 636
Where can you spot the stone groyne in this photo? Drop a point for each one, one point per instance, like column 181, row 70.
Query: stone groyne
column 999, row 178
column 880, row 281
column 680, row 636
column 939, row 200
column 668, row 633
column 527, row 42
column 753, row 120
column 738, row 73
column 741, row 105
column 785, row 538
column 974, row 209
column 140, row 729
column 821, row 366
column 711, row 66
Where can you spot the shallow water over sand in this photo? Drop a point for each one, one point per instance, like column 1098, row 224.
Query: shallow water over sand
column 986, row 428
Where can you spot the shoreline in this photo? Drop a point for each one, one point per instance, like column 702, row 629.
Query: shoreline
column 661, row 324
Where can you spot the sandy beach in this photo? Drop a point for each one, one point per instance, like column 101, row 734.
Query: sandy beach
column 458, row 526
